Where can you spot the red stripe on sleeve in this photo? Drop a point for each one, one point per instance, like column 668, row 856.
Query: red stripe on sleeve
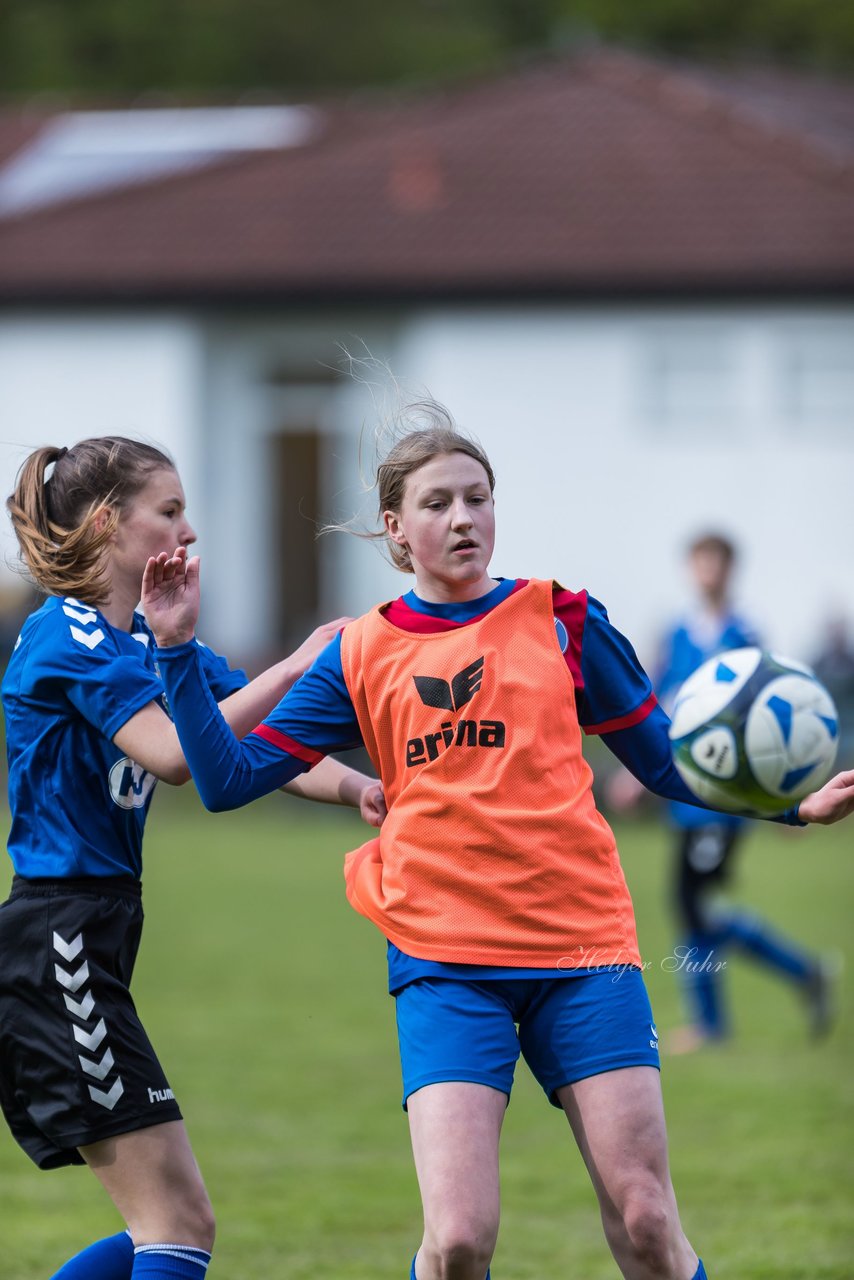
column 571, row 608
column 625, row 722
column 284, row 743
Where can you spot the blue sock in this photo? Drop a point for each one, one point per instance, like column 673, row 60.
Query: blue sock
column 700, row 1273
column 170, row 1262
column 110, row 1259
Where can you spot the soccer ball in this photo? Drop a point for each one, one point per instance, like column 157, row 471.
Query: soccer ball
column 753, row 733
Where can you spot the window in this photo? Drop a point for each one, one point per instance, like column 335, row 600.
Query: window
column 688, row 379
column 817, row 376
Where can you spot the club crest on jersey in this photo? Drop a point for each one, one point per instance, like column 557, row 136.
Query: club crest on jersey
column 130, row 784
column 434, row 691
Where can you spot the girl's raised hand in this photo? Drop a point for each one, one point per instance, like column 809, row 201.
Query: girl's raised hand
column 835, row 800
column 171, row 597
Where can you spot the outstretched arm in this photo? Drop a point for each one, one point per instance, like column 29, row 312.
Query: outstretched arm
column 331, row 782
column 641, row 741
column 645, row 750
column 834, row 801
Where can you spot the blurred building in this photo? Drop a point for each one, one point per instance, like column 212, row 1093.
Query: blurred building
column 633, row 281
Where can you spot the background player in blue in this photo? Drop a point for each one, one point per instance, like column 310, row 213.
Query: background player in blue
column 586, row 1035
column 709, row 926
column 88, row 736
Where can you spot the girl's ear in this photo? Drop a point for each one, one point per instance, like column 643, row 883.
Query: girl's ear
column 102, row 517
column 393, row 527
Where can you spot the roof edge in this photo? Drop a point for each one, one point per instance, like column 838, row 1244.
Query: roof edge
column 696, row 289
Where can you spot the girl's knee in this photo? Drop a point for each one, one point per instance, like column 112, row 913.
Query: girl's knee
column 205, row 1223
column 652, row 1229
column 460, row 1250
column 187, row 1219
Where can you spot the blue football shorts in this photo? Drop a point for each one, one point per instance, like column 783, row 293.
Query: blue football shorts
column 566, row 1028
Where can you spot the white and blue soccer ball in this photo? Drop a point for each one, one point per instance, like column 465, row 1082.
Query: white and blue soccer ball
column 752, row 732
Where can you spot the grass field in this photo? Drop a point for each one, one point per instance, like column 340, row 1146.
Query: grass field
column 265, row 996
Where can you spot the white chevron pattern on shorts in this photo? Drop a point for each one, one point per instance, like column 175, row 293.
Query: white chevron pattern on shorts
column 68, row 950
column 110, row 1099
column 80, row 1008
column 83, row 1009
column 97, row 1069
column 72, row 981
column 90, row 1040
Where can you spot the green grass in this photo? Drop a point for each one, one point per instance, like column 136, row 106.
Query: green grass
column 264, row 993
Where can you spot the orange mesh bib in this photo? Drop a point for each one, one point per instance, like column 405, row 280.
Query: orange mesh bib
column 493, row 851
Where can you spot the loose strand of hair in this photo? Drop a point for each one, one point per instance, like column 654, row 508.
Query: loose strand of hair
column 396, row 416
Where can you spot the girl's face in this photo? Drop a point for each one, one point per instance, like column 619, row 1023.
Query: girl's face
column 711, row 571
column 447, row 523
column 154, row 521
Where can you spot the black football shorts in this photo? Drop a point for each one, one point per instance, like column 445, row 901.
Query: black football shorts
column 75, row 1063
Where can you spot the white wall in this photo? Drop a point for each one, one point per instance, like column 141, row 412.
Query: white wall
column 63, row 378
column 615, row 433
column 618, row 433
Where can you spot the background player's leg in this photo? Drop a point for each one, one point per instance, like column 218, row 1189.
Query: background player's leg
column 618, row 1122
column 455, row 1129
column 153, row 1180
column 700, row 857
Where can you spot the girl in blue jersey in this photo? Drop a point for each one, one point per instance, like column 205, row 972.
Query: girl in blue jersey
column 706, row 845
column 586, row 1031
column 88, row 736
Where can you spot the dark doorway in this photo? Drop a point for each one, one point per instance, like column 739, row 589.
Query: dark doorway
column 295, row 472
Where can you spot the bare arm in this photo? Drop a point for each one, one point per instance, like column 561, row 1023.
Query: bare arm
column 334, row 783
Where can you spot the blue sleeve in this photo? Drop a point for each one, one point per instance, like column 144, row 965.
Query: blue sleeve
column 644, row 749
column 229, row 773
column 222, row 678
column 616, row 690
column 318, row 710
column 71, row 656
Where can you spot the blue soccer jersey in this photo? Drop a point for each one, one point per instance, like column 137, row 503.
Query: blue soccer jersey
column 78, row 804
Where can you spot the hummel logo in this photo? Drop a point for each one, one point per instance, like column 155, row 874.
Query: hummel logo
column 435, row 692
column 160, row 1095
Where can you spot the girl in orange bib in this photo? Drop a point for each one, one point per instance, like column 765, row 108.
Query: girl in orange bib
column 494, row 878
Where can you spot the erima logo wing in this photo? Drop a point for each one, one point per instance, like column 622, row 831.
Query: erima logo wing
column 435, row 692
column 451, row 696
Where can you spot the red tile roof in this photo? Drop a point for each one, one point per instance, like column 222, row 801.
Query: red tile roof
column 601, row 174
column 18, row 128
